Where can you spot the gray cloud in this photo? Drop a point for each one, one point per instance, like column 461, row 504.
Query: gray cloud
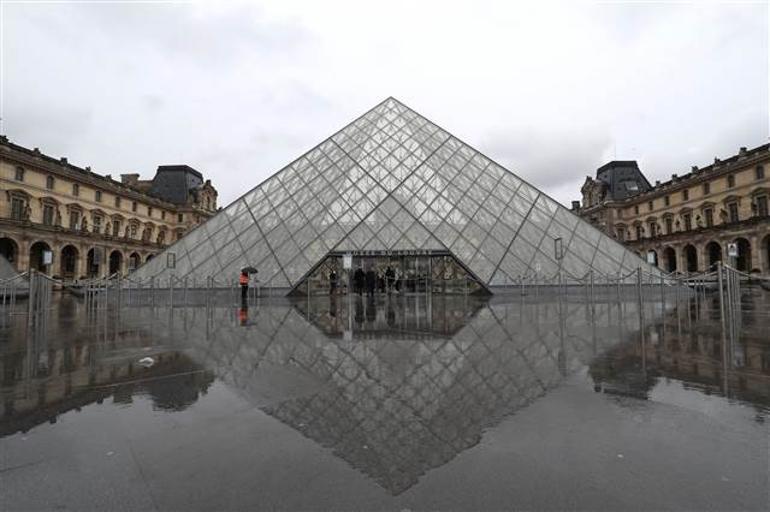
column 238, row 90
column 548, row 158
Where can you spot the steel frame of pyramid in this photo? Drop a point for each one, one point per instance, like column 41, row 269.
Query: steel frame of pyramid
column 391, row 180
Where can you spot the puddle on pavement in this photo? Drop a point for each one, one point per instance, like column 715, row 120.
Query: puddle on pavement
column 393, row 386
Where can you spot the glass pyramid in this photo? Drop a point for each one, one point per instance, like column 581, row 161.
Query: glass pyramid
column 393, row 181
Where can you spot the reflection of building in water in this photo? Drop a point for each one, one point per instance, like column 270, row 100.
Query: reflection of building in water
column 687, row 346
column 396, row 406
column 42, row 377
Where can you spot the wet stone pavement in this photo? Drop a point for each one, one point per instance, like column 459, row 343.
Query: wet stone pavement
column 388, row 403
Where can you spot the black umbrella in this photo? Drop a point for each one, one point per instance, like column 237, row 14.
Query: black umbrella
column 249, row 270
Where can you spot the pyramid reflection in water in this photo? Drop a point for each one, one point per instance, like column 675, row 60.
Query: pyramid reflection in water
column 406, row 390
column 393, row 182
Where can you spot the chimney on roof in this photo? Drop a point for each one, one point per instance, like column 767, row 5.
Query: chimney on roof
column 3, row 138
column 63, row 160
column 717, row 161
column 575, row 206
column 694, row 168
column 742, row 151
column 109, row 176
column 674, row 177
column 88, row 168
column 657, row 183
column 129, row 179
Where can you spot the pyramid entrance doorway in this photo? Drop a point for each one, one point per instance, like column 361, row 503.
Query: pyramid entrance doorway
column 394, row 272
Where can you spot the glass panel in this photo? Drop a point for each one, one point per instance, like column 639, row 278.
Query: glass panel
column 503, row 233
column 404, row 244
column 523, row 250
column 250, row 236
column 530, row 233
column 389, row 234
column 582, row 248
column 566, row 218
column 417, row 234
column 514, row 267
column 608, row 248
column 574, row 266
column 230, row 252
column 473, row 233
column 481, row 266
column 277, row 236
column 296, row 268
column 492, row 249
column 544, row 265
column 462, row 249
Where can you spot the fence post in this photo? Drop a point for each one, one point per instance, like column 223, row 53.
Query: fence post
column 640, row 298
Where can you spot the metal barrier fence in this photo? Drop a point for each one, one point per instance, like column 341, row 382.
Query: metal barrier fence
column 644, row 285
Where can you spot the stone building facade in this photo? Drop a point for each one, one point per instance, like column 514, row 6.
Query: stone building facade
column 687, row 223
column 90, row 225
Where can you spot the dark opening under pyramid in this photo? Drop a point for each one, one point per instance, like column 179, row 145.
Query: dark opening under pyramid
column 393, row 181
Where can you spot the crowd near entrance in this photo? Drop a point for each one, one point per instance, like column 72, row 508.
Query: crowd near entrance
column 408, row 272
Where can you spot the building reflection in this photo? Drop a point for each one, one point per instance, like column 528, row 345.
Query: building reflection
column 65, row 363
column 686, row 346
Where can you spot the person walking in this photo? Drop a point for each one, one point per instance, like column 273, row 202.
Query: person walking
column 390, row 277
column 244, row 282
column 371, row 281
column 358, row 280
column 333, row 282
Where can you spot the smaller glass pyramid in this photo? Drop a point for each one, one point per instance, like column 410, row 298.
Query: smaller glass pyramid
column 394, row 182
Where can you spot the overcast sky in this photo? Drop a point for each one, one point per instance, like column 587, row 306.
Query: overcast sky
column 237, row 90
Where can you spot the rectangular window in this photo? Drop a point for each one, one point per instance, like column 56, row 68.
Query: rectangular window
column 163, row 215
column 636, row 209
column 48, row 215
column 706, row 189
column 133, row 206
column 75, row 189
column 621, row 234
column 685, row 195
column 133, row 230
column 649, row 206
column 115, row 228
column 149, row 211
column 761, row 202
column 49, row 182
column 731, row 181
column 759, row 173
column 708, row 214
column 117, row 201
column 98, row 196
column 667, row 201
column 75, row 220
column 652, row 229
column 687, row 218
column 639, row 232
column 20, row 174
column 97, row 223
column 669, row 225
column 180, row 217
column 18, row 206
column 732, row 211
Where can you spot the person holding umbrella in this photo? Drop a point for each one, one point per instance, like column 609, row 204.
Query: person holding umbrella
column 243, row 280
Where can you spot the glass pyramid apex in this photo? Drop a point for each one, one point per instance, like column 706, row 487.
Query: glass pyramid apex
column 392, row 180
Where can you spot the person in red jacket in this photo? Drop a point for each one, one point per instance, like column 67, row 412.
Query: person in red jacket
column 244, row 281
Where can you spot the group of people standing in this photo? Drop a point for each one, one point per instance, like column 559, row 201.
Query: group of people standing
column 369, row 280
